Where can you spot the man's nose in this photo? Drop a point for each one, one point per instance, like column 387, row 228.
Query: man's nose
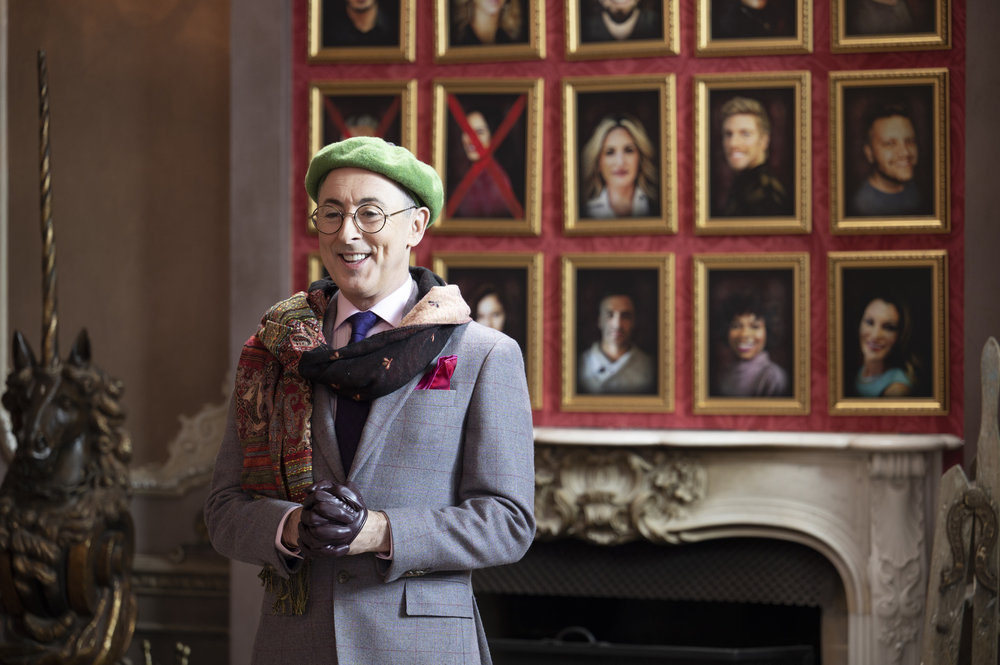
column 349, row 229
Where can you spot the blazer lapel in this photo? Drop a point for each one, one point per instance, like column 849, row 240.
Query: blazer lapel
column 324, row 434
column 384, row 410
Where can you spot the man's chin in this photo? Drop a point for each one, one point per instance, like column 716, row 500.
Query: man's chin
column 361, row 6
column 620, row 16
column 896, row 181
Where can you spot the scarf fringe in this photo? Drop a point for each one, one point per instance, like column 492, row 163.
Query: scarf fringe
column 291, row 595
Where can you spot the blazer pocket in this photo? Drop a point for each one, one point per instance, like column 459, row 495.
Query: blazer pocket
column 438, row 598
column 432, row 398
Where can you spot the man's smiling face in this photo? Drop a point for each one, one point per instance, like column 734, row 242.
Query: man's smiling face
column 367, row 267
column 620, row 9
column 743, row 141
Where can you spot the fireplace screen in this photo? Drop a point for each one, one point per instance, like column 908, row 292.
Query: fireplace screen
column 738, row 600
column 523, row 652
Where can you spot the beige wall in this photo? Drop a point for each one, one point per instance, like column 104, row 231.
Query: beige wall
column 982, row 201
column 139, row 140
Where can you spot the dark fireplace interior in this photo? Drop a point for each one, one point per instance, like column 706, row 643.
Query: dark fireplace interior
column 735, row 600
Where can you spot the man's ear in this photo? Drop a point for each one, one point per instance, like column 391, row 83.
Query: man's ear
column 868, row 154
column 418, row 226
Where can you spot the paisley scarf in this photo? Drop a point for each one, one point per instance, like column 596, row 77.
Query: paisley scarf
column 273, row 392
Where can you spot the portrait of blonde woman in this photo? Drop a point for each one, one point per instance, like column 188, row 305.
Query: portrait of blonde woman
column 618, row 170
column 483, row 22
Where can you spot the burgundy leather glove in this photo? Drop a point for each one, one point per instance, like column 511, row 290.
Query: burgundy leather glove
column 332, row 517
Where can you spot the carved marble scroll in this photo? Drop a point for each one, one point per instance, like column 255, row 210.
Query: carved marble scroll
column 612, row 496
column 898, row 561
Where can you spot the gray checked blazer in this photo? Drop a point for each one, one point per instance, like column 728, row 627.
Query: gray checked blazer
column 454, row 472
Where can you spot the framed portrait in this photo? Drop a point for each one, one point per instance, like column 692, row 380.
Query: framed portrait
column 378, row 32
column 468, row 32
column 888, row 332
column 889, row 151
column 342, row 109
column 752, row 153
column 889, row 25
column 620, row 144
column 618, row 332
column 634, row 29
column 504, row 291
column 751, row 333
column 753, row 27
column 487, row 150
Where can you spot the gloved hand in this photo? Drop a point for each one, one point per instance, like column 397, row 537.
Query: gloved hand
column 332, row 517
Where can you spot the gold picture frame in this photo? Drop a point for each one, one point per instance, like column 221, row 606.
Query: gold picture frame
column 653, row 33
column 751, row 334
column 520, row 34
column 599, row 289
column 595, row 108
column 392, row 39
column 908, row 106
column 925, row 25
column 736, row 195
column 879, row 304
column 315, row 270
column 492, row 189
column 731, row 27
column 512, row 283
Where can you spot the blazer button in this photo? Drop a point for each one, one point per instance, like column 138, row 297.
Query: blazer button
column 344, row 577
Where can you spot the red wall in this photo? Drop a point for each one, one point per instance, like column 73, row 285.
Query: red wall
column 553, row 243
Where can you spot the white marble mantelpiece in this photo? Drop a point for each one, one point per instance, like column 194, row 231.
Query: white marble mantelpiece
column 864, row 501
column 583, row 436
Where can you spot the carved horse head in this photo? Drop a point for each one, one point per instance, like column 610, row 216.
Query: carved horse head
column 67, row 421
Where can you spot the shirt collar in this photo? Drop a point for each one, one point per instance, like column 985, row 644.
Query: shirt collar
column 389, row 309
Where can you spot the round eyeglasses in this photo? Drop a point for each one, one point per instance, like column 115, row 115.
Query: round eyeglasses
column 369, row 218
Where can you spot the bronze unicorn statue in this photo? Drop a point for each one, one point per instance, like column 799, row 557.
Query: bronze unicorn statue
column 66, row 534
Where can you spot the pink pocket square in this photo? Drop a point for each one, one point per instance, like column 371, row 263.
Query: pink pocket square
column 439, row 378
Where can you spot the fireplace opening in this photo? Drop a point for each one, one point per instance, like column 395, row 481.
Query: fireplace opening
column 734, row 600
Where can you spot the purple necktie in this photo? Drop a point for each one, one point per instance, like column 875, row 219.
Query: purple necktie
column 352, row 414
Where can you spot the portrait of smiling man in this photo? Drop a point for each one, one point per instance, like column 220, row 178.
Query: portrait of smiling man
column 360, row 23
column 621, row 20
column 754, row 190
column 891, row 152
column 379, row 445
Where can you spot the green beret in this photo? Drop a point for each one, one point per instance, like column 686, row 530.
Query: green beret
column 379, row 156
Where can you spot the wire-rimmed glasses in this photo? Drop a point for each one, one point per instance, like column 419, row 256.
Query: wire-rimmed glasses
column 369, row 218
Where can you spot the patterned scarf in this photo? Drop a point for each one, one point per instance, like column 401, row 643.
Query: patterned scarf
column 273, row 392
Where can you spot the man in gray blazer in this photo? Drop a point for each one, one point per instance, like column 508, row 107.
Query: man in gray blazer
column 370, row 472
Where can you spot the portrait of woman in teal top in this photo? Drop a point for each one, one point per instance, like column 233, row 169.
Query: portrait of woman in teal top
column 888, row 368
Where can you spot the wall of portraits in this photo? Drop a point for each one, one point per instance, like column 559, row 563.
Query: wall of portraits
column 722, row 214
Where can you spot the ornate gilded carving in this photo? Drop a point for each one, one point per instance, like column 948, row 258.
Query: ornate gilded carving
column 609, row 495
column 66, row 535
column 973, row 505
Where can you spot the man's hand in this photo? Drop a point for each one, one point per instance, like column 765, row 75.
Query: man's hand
column 375, row 536
column 331, row 518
